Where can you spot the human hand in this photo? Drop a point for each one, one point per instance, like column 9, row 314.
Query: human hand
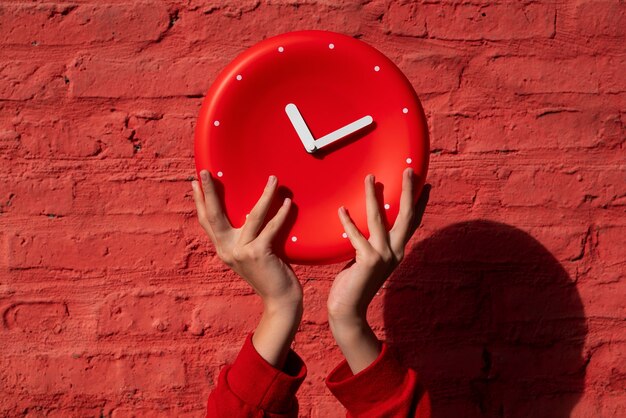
column 248, row 251
column 376, row 258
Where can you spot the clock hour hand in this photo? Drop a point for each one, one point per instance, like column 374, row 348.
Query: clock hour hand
column 300, row 126
column 343, row 132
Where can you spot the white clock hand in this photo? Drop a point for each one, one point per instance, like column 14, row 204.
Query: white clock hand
column 300, row 126
column 343, row 132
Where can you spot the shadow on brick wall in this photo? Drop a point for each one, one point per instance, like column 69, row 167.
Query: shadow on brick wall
column 491, row 322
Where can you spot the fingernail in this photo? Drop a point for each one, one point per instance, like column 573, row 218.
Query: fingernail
column 193, row 184
column 204, row 175
column 286, row 201
column 271, row 180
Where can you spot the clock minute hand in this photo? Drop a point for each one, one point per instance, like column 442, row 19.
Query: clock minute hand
column 343, row 132
column 300, row 126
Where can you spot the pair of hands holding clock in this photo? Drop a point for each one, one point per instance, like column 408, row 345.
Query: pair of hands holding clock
column 248, row 251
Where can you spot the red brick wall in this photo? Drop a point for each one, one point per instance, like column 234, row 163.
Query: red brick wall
column 510, row 302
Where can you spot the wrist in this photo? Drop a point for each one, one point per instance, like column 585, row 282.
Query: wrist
column 348, row 328
column 289, row 306
column 356, row 340
column 276, row 331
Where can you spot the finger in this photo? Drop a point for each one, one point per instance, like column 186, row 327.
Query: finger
column 214, row 213
column 399, row 231
column 258, row 213
column 378, row 232
column 272, row 228
column 357, row 239
column 398, row 241
column 198, row 199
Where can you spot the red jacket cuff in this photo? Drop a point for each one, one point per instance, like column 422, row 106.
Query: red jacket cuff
column 258, row 383
column 372, row 386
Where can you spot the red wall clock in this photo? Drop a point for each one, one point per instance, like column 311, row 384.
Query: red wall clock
column 320, row 110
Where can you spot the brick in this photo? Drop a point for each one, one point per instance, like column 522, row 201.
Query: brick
column 485, row 134
column 527, row 75
column 34, row 317
column 4, row 255
column 609, row 247
column 405, row 19
column 55, row 196
column 9, row 143
column 229, row 8
column 482, row 242
column 509, row 363
column 563, row 242
column 213, row 25
column 101, row 134
column 155, row 412
column 87, row 251
column 459, row 190
column 148, row 312
column 503, row 131
column 461, row 315
column 600, row 18
column 607, row 367
column 444, row 132
column 513, row 20
column 611, row 77
column 562, row 396
column 325, row 408
column 216, row 316
column 168, row 136
column 612, row 183
column 604, row 299
column 95, row 76
column 120, row 197
column 544, row 187
column 432, row 72
column 548, row 295
column 315, row 299
column 28, row 80
column 82, row 411
column 93, row 375
column 82, row 24
column 594, row 405
column 143, row 313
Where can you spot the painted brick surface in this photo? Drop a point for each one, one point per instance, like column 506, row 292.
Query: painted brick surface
column 510, row 301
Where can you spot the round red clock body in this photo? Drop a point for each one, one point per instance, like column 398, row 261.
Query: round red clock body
column 332, row 83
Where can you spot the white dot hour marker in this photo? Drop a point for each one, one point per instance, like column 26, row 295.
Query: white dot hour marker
column 377, row 68
column 294, row 239
column 405, row 110
column 281, row 49
column 409, row 161
column 239, row 77
column 216, row 123
column 387, row 206
column 220, row 174
column 331, row 46
column 344, row 235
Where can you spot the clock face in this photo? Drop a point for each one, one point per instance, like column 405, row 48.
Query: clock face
column 319, row 110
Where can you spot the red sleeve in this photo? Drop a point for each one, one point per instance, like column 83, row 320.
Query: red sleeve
column 251, row 387
column 384, row 388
